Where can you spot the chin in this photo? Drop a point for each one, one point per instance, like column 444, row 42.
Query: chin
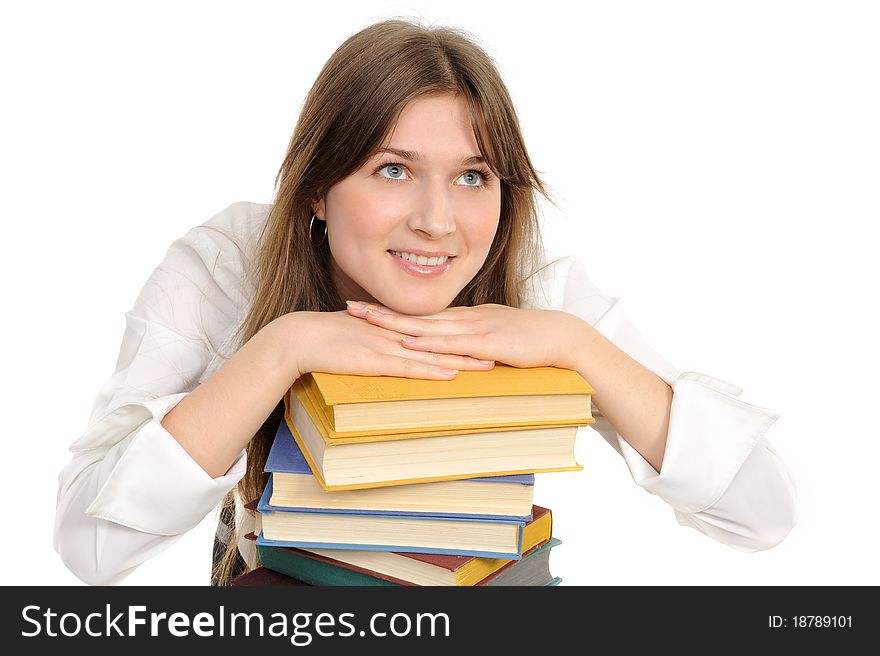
column 419, row 307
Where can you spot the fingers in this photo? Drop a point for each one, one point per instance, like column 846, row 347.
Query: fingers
column 431, row 366
column 450, row 361
column 357, row 308
column 474, row 347
column 425, row 362
column 413, row 325
column 404, row 367
column 360, row 309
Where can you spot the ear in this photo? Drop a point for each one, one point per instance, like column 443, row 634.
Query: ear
column 318, row 209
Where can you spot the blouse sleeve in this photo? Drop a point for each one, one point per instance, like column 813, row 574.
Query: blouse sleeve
column 720, row 474
column 130, row 490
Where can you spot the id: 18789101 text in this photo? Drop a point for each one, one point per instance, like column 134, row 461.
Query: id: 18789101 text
column 810, row 622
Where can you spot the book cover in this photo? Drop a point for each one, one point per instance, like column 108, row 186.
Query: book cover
column 502, row 380
column 533, row 569
column 263, row 577
column 433, row 531
column 286, row 458
column 320, row 570
column 402, row 568
column 380, row 406
column 268, row 506
column 320, row 415
column 426, row 457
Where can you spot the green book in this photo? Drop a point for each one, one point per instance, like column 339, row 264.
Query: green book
column 313, row 571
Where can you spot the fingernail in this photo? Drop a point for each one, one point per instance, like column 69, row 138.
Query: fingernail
column 449, row 372
column 487, row 361
column 355, row 304
column 408, row 340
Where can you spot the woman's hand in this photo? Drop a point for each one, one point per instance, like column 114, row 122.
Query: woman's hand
column 518, row 337
column 340, row 343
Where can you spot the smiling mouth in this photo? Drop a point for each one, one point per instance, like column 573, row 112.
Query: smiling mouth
column 422, row 260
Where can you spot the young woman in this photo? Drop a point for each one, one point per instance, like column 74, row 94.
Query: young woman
column 403, row 241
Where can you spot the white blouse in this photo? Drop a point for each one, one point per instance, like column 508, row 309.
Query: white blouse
column 130, row 490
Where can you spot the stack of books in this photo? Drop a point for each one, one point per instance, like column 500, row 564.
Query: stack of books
column 398, row 481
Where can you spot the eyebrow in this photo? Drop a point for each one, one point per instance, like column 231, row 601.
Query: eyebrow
column 413, row 156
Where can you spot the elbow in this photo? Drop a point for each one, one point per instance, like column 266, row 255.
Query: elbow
column 88, row 571
column 101, row 552
column 763, row 528
column 774, row 511
column 78, row 539
column 773, row 530
column 758, row 510
column 96, row 551
column 741, row 535
column 77, row 544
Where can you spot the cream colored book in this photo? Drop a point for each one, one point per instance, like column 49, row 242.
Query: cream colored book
column 294, row 486
column 406, row 568
column 407, row 532
column 438, row 569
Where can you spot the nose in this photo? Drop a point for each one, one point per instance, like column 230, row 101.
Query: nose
column 433, row 213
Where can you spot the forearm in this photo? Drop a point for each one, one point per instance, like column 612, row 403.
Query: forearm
column 634, row 400
column 218, row 418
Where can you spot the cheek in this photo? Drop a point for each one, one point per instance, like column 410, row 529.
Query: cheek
column 484, row 226
column 360, row 217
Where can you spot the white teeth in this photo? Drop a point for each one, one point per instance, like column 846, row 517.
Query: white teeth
column 421, row 259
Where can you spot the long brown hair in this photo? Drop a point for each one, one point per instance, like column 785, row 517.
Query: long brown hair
column 350, row 109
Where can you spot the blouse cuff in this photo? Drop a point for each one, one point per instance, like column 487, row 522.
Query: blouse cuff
column 155, row 486
column 711, row 433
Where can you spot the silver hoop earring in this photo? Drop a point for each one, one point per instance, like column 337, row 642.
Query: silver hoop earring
column 324, row 236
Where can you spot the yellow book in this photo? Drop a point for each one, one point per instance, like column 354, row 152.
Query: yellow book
column 478, row 447
column 503, row 396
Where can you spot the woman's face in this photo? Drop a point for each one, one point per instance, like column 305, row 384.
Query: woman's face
column 438, row 199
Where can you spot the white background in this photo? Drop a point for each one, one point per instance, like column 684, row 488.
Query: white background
column 716, row 165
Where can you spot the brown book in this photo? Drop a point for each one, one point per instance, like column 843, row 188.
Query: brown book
column 265, row 578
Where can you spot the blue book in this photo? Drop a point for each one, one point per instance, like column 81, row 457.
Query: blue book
column 399, row 532
column 296, row 488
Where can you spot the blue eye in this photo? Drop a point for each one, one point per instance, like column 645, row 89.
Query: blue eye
column 393, row 170
column 475, row 176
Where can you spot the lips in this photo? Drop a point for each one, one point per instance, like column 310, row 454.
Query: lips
column 422, row 270
column 422, row 259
